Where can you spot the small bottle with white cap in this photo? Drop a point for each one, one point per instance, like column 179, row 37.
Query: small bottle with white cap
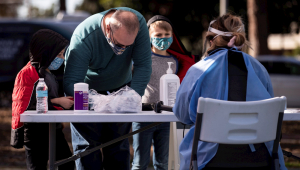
column 169, row 84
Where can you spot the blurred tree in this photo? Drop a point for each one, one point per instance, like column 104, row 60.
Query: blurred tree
column 36, row 12
column 258, row 27
column 282, row 13
column 62, row 5
column 8, row 8
column 91, row 6
column 191, row 19
column 107, row 4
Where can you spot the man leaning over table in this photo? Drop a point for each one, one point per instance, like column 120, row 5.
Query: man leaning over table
column 100, row 54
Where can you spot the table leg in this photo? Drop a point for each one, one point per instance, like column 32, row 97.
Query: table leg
column 171, row 162
column 52, row 143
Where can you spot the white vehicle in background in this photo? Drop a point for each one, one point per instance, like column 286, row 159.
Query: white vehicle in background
column 285, row 76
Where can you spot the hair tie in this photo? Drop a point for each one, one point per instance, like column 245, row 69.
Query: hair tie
column 231, row 43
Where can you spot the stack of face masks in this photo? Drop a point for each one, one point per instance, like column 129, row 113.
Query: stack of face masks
column 125, row 100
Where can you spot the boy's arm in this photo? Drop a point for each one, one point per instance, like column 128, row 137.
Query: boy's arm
column 65, row 102
column 142, row 60
column 77, row 60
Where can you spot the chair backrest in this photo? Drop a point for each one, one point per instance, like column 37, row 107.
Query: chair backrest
column 229, row 122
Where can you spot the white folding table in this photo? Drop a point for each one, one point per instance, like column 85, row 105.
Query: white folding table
column 53, row 117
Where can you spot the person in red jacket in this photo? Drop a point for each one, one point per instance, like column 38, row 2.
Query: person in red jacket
column 46, row 52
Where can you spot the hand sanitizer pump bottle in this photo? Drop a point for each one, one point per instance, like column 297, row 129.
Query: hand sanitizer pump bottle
column 169, row 84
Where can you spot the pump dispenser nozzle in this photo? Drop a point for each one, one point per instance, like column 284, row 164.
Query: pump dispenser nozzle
column 170, row 71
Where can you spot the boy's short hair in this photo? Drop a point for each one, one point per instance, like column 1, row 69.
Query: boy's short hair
column 161, row 24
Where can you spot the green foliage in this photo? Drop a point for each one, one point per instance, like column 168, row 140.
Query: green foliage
column 107, row 4
column 95, row 6
column 35, row 12
column 91, row 6
column 292, row 164
column 294, row 53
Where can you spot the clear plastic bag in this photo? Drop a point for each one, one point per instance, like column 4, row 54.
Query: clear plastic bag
column 125, row 100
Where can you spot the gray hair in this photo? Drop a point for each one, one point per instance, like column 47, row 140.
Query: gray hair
column 125, row 19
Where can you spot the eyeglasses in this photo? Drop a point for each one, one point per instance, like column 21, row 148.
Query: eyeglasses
column 115, row 42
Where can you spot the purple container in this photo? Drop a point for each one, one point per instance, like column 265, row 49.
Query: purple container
column 81, row 97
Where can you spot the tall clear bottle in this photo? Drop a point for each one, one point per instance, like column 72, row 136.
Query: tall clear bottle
column 169, row 84
column 41, row 96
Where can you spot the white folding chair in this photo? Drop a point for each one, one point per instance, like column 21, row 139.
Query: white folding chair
column 230, row 122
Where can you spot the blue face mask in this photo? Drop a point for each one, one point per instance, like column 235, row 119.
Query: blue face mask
column 56, row 63
column 117, row 50
column 161, row 43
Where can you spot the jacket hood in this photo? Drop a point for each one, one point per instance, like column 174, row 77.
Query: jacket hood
column 177, row 45
column 44, row 46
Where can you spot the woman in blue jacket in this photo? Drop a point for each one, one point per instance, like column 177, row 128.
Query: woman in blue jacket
column 226, row 73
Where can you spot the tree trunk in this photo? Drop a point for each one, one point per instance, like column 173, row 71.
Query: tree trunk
column 62, row 5
column 258, row 27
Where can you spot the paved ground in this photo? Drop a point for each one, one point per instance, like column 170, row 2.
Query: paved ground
column 14, row 159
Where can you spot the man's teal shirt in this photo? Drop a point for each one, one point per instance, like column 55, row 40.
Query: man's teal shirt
column 90, row 59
